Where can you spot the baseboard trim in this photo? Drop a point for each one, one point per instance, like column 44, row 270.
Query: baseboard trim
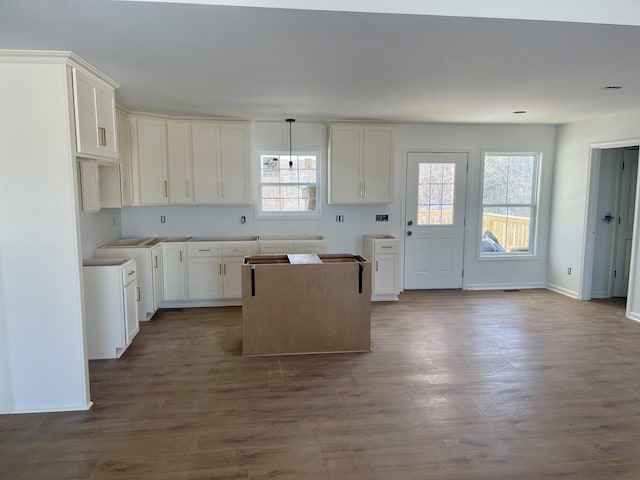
column 49, row 409
column 504, row 286
column 562, row 290
column 634, row 316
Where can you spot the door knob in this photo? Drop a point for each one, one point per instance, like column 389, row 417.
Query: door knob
column 409, row 233
column 410, row 222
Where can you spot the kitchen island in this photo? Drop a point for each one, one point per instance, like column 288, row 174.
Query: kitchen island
column 294, row 304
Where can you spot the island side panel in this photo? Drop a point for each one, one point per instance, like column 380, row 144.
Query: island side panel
column 306, row 308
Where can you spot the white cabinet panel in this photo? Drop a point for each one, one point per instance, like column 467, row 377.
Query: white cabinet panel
column 204, row 278
column 152, row 160
column 158, row 280
column 89, row 186
column 206, row 162
column 179, row 162
column 174, row 271
column 124, row 152
column 235, row 164
column 345, row 157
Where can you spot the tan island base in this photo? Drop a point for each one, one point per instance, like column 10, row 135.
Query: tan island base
column 306, row 304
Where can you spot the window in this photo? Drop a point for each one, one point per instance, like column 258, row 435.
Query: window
column 508, row 203
column 288, row 184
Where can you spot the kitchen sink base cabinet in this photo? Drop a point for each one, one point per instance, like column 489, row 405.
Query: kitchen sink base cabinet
column 296, row 308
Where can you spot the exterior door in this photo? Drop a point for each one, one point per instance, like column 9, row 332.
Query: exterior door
column 624, row 227
column 434, row 223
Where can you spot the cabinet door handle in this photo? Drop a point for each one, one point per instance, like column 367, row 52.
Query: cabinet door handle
column 180, row 255
column 132, row 272
column 224, row 269
column 364, row 189
column 102, row 136
column 388, row 246
column 361, row 189
column 155, row 261
column 220, row 269
column 376, row 265
column 220, row 189
column 166, row 188
column 137, row 294
column 204, row 249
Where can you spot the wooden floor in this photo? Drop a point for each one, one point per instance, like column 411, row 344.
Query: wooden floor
column 459, row 385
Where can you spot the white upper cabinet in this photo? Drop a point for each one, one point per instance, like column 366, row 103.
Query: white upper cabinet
column 151, row 160
column 182, row 161
column 179, row 162
column 95, row 116
column 361, row 162
column 221, row 168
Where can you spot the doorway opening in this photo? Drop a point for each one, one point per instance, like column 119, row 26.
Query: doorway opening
column 614, row 230
column 611, row 216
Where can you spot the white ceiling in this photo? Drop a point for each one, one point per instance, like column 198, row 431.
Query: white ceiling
column 271, row 63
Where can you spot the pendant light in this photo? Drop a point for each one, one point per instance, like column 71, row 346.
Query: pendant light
column 290, row 122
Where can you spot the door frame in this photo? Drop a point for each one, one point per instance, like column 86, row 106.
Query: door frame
column 591, row 214
column 403, row 212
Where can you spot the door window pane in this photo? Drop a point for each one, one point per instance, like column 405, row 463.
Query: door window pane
column 436, row 193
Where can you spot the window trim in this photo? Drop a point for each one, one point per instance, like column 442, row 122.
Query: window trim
column 306, row 215
column 533, row 227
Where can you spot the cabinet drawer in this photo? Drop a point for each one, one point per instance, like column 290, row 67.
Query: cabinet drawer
column 129, row 273
column 385, row 246
column 204, row 249
column 239, row 249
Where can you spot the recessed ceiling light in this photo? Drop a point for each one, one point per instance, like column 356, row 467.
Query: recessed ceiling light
column 612, row 87
column 520, row 112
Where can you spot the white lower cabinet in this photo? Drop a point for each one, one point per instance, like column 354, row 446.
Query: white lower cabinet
column 174, row 271
column 382, row 252
column 110, row 298
column 149, row 265
column 208, row 271
column 204, row 271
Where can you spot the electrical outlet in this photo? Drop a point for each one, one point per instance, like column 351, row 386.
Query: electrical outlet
column 340, row 218
column 382, row 218
column 163, row 219
column 569, row 271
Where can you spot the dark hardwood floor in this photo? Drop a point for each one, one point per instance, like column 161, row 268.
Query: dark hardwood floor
column 459, row 385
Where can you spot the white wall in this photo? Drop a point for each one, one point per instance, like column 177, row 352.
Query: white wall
column 570, row 192
column 44, row 366
column 347, row 236
column 99, row 228
column 489, row 273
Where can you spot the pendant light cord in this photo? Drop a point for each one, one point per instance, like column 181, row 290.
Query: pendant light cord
column 290, row 122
